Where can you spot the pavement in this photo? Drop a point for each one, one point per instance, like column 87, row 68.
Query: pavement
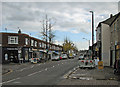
column 91, row 77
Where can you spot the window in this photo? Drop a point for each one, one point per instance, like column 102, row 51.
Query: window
column 40, row 44
column 26, row 41
column 35, row 43
column 117, row 24
column 12, row 39
column 114, row 26
column 32, row 42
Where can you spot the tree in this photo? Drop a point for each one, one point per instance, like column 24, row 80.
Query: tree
column 69, row 45
column 47, row 25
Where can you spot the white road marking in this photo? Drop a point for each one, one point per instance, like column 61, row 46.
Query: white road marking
column 10, row 80
column 22, row 69
column 39, row 64
column 53, row 66
column 39, row 71
column 32, row 66
column 58, row 64
column 46, row 69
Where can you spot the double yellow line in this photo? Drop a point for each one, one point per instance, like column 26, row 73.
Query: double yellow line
column 10, row 71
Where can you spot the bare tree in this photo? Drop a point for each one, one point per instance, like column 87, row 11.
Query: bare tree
column 47, row 25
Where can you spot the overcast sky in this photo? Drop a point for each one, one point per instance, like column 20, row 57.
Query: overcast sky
column 73, row 19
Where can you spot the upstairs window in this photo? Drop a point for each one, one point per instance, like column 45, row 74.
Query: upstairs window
column 26, row 41
column 35, row 43
column 12, row 39
column 40, row 45
column 32, row 42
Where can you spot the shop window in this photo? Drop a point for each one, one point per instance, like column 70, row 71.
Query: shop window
column 6, row 56
column 12, row 39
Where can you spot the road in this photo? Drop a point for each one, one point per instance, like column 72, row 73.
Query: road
column 49, row 73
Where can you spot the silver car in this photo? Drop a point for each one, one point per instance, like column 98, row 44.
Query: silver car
column 64, row 56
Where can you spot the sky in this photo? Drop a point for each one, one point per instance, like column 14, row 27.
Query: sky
column 71, row 19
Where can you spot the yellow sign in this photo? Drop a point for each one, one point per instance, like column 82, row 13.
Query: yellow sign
column 100, row 65
column 96, row 49
column 118, row 47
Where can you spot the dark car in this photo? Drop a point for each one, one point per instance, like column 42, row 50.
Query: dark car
column 117, row 66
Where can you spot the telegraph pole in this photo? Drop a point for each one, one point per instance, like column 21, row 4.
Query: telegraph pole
column 46, row 37
column 92, row 32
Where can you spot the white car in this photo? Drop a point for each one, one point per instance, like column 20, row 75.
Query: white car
column 87, row 64
column 55, row 58
column 81, row 57
column 64, row 56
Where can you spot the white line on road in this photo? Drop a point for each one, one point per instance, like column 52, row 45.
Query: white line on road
column 53, row 66
column 32, row 66
column 10, row 80
column 16, row 82
column 33, row 73
column 22, row 69
column 46, row 69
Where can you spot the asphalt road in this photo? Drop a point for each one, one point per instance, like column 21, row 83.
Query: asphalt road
column 49, row 73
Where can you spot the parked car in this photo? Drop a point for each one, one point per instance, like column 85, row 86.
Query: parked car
column 64, row 56
column 117, row 66
column 86, row 64
column 55, row 58
column 35, row 60
column 81, row 57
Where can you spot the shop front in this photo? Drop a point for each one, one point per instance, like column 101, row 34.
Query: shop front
column 10, row 55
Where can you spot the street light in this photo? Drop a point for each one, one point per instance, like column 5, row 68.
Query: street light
column 88, row 41
column 92, row 31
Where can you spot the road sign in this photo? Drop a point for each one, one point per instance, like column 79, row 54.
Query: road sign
column 100, row 65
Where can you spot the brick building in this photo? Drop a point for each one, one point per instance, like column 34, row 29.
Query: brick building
column 18, row 45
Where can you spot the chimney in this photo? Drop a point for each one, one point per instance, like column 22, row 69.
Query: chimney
column 111, row 15
column 19, row 32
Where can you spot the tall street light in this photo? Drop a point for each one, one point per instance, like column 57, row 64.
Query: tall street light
column 88, row 41
column 92, row 31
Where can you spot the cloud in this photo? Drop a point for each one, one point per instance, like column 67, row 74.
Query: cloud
column 73, row 17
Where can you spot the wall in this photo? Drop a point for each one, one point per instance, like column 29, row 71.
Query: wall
column 105, row 31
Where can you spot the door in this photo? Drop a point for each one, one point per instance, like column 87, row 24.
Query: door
column 111, row 59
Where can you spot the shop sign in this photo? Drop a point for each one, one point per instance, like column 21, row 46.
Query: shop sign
column 19, row 51
column 96, row 49
column 100, row 65
column 118, row 47
column 12, row 48
column 34, row 49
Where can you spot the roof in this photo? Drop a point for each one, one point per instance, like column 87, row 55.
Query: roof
column 117, row 15
column 110, row 20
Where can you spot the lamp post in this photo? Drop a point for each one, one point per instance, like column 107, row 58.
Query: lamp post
column 92, row 32
column 88, row 41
